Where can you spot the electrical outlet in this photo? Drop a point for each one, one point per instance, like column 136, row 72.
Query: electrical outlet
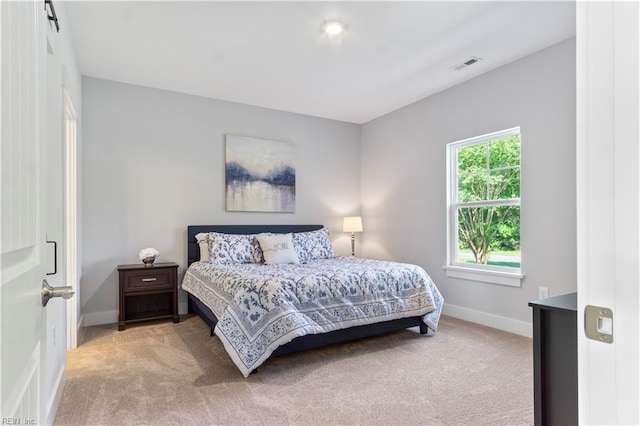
column 53, row 335
column 543, row 292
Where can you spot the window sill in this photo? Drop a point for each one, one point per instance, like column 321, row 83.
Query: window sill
column 511, row 279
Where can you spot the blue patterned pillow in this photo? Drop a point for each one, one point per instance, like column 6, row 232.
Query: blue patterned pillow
column 313, row 245
column 227, row 249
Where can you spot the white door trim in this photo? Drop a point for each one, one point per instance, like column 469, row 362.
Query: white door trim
column 70, row 216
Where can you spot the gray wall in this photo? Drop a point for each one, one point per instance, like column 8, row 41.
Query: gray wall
column 154, row 163
column 404, row 178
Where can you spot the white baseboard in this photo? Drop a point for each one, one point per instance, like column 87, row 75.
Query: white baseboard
column 510, row 325
column 99, row 318
column 111, row 317
column 54, row 401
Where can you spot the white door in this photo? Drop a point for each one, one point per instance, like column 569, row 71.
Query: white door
column 31, row 353
column 608, row 200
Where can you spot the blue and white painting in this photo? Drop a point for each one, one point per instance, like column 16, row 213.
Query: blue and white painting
column 260, row 175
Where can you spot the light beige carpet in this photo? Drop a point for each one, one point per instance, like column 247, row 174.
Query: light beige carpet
column 165, row 373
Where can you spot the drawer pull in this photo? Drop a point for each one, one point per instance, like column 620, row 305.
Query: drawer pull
column 149, row 279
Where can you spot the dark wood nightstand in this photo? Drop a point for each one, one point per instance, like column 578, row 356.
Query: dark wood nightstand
column 148, row 292
column 555, row 360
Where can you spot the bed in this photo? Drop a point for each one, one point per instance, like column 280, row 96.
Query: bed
column 260, row 310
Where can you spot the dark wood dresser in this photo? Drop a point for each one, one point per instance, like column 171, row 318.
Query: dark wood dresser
column 148, row 292
column 555, row 360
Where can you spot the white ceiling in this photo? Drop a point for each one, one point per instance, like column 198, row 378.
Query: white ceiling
column 274, row 55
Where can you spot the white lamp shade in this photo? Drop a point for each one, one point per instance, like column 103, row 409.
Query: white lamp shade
column 352, row 224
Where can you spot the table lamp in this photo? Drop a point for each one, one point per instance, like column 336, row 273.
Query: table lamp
column 352, row 224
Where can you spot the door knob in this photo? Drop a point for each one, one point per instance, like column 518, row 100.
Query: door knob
column 49, row 292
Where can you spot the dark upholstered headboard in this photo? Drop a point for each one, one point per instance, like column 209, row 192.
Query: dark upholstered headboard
column 193, row 250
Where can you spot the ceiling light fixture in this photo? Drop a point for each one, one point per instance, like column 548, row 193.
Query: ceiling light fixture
column 333, row 27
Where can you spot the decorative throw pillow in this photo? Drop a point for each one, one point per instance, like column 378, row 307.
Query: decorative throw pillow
column 277, row 248
column 313, row 245
column 203, row 241
column 227, row 249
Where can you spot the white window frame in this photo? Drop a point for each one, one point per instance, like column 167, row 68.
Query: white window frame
column 483, row 273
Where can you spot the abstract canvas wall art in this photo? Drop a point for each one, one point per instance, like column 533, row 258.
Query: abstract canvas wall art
column 260, row 175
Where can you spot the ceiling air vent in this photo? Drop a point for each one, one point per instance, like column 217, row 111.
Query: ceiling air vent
column 472, row 60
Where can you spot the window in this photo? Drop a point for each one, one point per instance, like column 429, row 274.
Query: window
column 484, row 208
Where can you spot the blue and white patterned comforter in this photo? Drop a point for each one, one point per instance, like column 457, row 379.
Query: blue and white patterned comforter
column 261, row 307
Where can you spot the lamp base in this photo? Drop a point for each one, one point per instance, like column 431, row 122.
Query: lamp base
column 353, row 244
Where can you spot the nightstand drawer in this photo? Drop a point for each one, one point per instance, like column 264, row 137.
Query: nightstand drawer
column 152, row 280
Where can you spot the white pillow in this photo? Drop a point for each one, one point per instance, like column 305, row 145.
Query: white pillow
column 277, row 248
column 203, row 242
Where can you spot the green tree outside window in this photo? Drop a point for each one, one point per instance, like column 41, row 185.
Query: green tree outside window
column 488, row 199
